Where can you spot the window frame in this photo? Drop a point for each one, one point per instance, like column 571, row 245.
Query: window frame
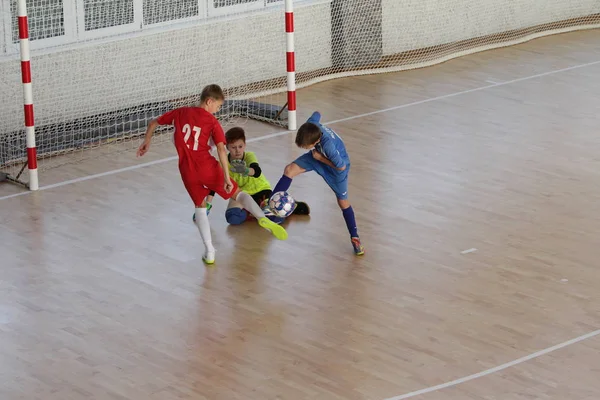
column 69, row 36
column 136, row 25
column 74, row 22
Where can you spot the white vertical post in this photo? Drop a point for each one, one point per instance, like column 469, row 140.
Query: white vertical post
column 27, row 94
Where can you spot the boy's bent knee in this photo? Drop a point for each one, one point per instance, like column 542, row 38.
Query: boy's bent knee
column 292, row 169
column 236, row 216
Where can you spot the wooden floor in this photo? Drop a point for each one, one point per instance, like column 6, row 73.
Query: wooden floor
column 103, row 294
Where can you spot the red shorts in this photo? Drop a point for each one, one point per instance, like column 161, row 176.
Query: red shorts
column 200, row 184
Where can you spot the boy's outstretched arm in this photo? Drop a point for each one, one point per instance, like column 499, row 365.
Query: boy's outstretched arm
column 145, row 146
column 222, row 151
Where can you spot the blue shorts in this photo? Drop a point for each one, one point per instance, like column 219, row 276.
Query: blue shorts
column 337, row 180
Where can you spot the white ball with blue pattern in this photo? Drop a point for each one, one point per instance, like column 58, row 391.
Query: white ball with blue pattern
column 282, row 204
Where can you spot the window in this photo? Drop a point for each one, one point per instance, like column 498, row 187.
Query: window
column 46, row 19
column 156, row 11
column 225, row 3
column 224, row 7
column 51, row 22
column 102, row 18
column 107, row 13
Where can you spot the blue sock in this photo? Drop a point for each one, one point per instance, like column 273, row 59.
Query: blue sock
column 283, row 185
column 350, row 221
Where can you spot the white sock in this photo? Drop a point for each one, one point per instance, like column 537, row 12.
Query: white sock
column 249, row 204
column 204, row 228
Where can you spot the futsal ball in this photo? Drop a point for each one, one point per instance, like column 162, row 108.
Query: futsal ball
column 282, row 204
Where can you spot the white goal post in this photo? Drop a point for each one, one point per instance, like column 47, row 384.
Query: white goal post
column 101, row 69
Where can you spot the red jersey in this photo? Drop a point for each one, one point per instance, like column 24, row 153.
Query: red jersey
column 194, row 127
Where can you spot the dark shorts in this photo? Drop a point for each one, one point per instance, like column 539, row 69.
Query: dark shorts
column 262, row 196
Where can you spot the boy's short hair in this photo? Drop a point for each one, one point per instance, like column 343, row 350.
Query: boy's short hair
column 308, row 134
column 234, row 134
column 212, row 92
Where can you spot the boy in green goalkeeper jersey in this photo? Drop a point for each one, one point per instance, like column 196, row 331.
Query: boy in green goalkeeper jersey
column 245, row 170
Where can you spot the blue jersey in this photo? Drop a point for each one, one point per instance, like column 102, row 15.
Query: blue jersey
column 331, row 145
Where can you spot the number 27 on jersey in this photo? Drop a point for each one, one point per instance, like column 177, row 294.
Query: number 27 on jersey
column 187, row 130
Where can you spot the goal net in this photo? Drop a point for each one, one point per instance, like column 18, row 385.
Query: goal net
column 101, row 69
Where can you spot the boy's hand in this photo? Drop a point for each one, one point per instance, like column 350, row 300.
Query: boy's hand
column 228, row 185
column 321, row 158
column 143, row 149
column 239, row 166
column 318, row 156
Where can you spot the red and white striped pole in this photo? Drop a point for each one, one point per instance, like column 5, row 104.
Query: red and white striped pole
column 27, row 95
column 291, row 63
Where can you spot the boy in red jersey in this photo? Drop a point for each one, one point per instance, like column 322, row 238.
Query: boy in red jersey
column 200, row 171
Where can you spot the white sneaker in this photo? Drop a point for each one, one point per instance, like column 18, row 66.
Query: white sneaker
column 209, row 257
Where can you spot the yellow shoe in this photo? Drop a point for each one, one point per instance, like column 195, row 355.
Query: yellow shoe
column 278, row 231
column 209, row 257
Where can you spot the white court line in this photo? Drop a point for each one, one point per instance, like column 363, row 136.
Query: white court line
column 496, row 369
column 272, row 135
column 471, row 250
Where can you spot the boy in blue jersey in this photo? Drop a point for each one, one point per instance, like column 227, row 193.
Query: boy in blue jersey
column 328, row 158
